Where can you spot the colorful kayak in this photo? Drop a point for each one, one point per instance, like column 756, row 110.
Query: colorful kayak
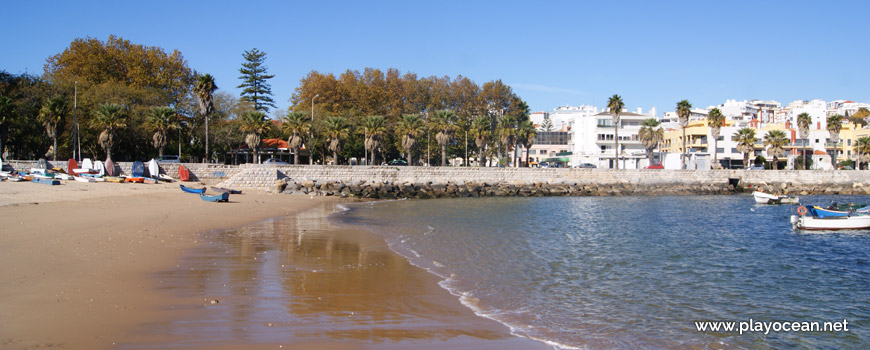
column 192, row 190
column 183, row 173
column 227, row 190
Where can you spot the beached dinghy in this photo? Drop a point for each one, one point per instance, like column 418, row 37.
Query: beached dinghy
column 220, row 197
column 45, row 181
column 183, row 173
column 164, row 177
column 227, row 190
column 192, row 190
column 85, row 179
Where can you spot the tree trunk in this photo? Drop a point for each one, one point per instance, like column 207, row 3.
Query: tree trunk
column 296, row 156
column 683, row 158
column 616, row 139
column 482, row 157
column 805, row 154
column 527, row 157
column 715, row 151
column 256, row 155
column 54, row 154
column 444, row 155
column 374, row 155
column 335, row 157
column 160, row 151
column 410, row 157
column 746, row 160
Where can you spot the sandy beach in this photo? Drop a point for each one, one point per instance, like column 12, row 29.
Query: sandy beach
column 100, row 266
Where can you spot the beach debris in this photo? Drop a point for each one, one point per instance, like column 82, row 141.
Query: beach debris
column 213, row 301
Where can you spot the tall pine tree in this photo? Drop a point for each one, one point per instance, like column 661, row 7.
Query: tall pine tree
column 256, row 89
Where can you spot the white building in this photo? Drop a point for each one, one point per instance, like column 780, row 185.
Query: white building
column 593, row 140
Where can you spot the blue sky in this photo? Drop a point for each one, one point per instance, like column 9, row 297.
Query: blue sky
column 652, row 53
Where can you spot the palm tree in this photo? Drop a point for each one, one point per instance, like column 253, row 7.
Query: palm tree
column 834, row 126
column 204, row 89
column 863, row 148
column 684, row 110
column 410, row 127
column 50, row 115
column 507, row 134
column 716, row 121
column 803, row 121
column 109, row 117
column 526, row 135
column 337, row 130
column 775, row 140
column 444, row 123
column 374, row 128
column 161, row 120
column 255, row 123
column 481, row 128
column 745, row 138
column 297, row 125
column 615, row 104
column 650, row 136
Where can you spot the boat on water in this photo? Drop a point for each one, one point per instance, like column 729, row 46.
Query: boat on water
column 220, row 197
column 813, row 217
column 767, row 198
column 192, row 190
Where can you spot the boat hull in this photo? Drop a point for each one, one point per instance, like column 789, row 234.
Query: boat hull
column 192, row 190
column 831, row 223
column 767, row 198
column 221, row 197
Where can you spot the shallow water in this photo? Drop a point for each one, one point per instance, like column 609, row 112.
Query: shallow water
column 301, row 282
column 636, row 272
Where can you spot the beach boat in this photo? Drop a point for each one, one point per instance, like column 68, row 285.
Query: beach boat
column 111, row 169
column 227, row 190
column 164, row 177
column 153, row 168
column 45, row 181
column 808, row 222
column 220, row 197
column 183, row 173
column 114, row 179
column 148, row 180
column 99, row 168
column 134, row 179
column 192, row 190
column 767, row 198
column 85, row 179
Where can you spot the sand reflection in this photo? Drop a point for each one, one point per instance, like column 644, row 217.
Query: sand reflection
column 300, row 279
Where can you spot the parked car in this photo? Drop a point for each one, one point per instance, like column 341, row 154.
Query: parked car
column 585, row 165
column 168, row 159
column 275, row 161
column 654, row 166
column 398, row 162
column 756, row 167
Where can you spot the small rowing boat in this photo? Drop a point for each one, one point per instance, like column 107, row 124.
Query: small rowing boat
column 227, row 190
column 220, row 197
column 192, row 190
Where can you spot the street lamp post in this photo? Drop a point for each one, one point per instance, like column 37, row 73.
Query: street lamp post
column 311, row 134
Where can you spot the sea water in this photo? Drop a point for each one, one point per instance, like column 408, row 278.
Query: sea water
column 637, row 272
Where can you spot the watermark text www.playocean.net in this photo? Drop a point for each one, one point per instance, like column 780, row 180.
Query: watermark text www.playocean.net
column 766, row 327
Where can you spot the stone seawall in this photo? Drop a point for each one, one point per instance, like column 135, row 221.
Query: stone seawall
column 434, row 182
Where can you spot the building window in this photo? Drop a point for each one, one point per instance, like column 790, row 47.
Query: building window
column 543, row 152
column 721, row 138
column 720, row 150
column 734, row 150
column 531, row 152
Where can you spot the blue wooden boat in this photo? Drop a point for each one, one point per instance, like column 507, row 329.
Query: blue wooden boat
column 836, row 211
column 192, row 190
column 220, row 197
column 44, row 181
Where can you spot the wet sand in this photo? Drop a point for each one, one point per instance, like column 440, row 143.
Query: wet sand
column 101, row 266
